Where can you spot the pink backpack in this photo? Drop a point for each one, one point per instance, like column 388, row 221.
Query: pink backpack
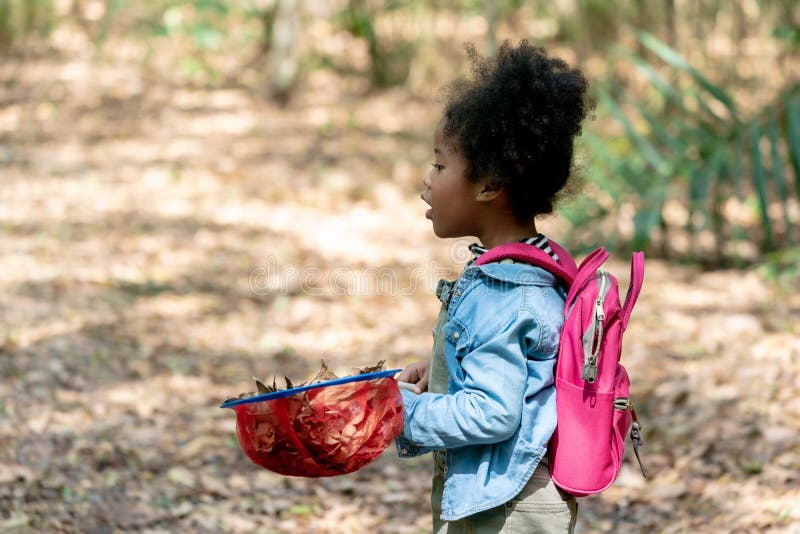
column 594, row 408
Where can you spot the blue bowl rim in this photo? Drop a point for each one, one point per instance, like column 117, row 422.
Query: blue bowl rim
column 289, row 392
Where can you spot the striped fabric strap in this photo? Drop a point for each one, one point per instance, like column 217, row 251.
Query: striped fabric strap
column 539, row 241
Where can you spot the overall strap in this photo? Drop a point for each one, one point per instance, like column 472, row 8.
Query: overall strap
column 444, row 290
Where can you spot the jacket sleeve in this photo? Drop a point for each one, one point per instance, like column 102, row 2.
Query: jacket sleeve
column 489, row 407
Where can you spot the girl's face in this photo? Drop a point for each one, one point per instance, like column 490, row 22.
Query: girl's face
column 452, row 198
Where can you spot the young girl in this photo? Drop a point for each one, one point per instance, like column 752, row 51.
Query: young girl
column 485, row 402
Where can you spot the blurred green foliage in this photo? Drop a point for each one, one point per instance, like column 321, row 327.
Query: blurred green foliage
column 783, row 267
column 390, row 60
column 789, row 34
column 201, row 28
column 687, row 141
column 199, row 21
column 19, row 18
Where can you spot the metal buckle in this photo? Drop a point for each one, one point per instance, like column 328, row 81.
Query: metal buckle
column 444, row 290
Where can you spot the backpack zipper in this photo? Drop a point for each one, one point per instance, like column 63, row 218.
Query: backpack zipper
column 589, row 372
column 623, row 404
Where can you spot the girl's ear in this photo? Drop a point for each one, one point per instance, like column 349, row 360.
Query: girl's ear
column 488, row 190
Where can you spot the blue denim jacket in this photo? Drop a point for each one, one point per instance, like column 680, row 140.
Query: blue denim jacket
column 501, row 339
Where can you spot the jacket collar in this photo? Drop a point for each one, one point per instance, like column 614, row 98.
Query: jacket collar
column 517, row 273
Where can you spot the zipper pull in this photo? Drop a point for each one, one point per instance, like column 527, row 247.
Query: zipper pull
column 589, row 372
column 598, row 310
column 636, row 439
column 601, row 294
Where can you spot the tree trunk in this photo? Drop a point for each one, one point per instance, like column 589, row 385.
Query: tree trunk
column 669, row 15
column 282, row 63
column 491, row 27
column 642, row 21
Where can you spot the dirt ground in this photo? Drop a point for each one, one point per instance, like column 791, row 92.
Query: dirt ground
column 161, row 245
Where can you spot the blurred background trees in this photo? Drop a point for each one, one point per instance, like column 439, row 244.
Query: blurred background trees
column 695, row 152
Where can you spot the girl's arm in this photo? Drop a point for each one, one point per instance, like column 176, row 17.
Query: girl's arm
column 489, row 407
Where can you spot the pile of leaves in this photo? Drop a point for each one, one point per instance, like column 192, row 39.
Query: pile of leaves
column 323, row 375
column 324, row 431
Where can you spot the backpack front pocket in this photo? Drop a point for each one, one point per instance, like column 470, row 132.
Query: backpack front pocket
column 583, row 431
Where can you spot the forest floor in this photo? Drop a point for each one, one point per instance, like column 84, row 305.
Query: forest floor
column 141, row 225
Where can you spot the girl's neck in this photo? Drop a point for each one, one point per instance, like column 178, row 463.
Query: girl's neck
column 499, row 234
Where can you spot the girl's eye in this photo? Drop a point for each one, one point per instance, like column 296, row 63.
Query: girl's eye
column 437, row 166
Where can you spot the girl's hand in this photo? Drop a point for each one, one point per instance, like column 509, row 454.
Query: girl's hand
column 417, row 373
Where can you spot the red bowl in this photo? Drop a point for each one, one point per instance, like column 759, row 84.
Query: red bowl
column 326, row 431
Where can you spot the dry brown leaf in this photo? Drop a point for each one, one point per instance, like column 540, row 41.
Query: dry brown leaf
column 323, row 374
column 364, row 370
column 263, row 388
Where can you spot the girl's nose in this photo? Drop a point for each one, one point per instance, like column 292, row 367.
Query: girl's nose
column 427, row 181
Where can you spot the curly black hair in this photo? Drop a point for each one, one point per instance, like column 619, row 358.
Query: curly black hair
column 515, row 123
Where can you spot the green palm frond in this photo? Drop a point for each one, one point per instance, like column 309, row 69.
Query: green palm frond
column 694, row 146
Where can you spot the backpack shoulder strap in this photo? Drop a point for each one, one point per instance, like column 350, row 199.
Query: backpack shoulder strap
column 533, row 255
column 586, row 271
column 564, row 257
column 637, row 279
